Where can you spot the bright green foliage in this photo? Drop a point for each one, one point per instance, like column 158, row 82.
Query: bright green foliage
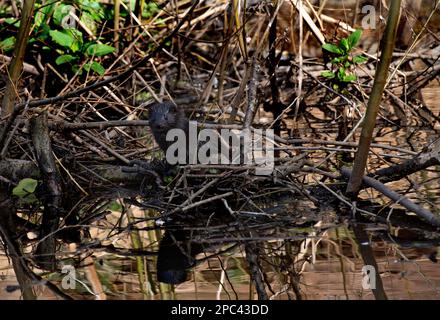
column 168, row 179
column 95, row 66
column 56, row 29
column 25, row 187
column 7, row 44
column 342, row 61
column 13, row 21
column 65, row 58
column 99, row 50
column 150, row 9
column 115, row 206
column 70, row 39
column 25, row 190
column 76, row 35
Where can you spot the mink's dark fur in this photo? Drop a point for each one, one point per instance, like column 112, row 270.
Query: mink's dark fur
column 164, row 117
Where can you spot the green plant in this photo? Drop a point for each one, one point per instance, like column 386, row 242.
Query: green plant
column 56, row 29
column 150, row 9
column 25, row 190
column 73, row 46
column 342, row 61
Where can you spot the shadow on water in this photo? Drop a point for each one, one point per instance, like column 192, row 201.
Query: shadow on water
column 294, row 253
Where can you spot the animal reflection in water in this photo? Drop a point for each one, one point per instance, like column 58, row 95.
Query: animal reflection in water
column 176, row 255
column 182, row 242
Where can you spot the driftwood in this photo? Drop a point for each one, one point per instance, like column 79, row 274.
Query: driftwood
column 397, row 198
column 429, row 157
column 15, row 170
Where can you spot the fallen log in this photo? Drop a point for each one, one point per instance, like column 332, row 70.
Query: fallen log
column 397, row 198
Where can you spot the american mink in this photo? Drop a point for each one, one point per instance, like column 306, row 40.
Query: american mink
column 164, row 117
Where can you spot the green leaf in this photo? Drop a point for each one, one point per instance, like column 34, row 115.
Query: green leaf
column 143, row 96
column 354, row 38
column 68, row 38
column 94, row 8
column 328, row 74
column 39, row 16
column 65, row 58
column 47, row 8
column 338, row 59
column 341, row 73
column 349, row 78
column 98, row 68
column 115, row 206
column 360, row 59
column 99, row 50
column 344, row 46
column 95, row 66
column 77, row 35
column 168, row 179
column 25, row 187
column 43, row 13
column 7, row 44
column 63, row 39
column 14, row 21
column 43, row 33
column 89, row 22
column 76, row 69
column 331, row 48
column 88, row 66
column 150, row 10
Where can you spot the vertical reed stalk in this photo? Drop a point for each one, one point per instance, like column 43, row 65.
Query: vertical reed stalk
column 369, row 123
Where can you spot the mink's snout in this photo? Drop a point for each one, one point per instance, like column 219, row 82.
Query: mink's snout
column 164, row 117
column 160, row 123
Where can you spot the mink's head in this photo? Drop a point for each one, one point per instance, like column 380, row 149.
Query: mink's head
column 164, row 117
